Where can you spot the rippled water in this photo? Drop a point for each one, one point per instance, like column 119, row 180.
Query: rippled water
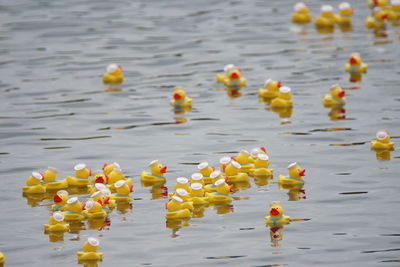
column 55, row 112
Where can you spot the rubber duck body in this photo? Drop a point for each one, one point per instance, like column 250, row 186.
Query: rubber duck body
column 270, row 90
column 233, row 79
column 180, row 99
column 115, row 176
column 176, row 210
column 335, row 98
column 56, row 223
column 276, row 215
column 50, row 182
column 215, row 176
column 60, row 200
column 34, row 185
column 89, row 252
column 355, row 67
column 221, row 195
column 73, row 210
column 345, row 12
column 326, row 19
column 113, row 75
column 197, row 194
column 122, row 192
column 261, row 167
column 382, row 141
column 294, row 178
column 156, row 174
column 205, row 169
column 233, row 174
column 301, row 14
column 82, row 175
column 94, row 210
column 246, row 163
column 284, row 98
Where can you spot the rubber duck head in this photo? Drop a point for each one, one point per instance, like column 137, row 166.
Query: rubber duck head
column 50, row 174
column 262, row 161
column 223, row 162
column 300, row 7
column 243, row 157
column 179, row 94
column 327, row 11
column 74, row 205
column 222, row 187
column 337, row 91
column 272, row 85
column 81, row 171
column 196, row 190
column 285, row 93
column 182, row 182
column 232, row 168
column 175, row 203
column 296, row 171
column 114, row 69
column 115, row 175
column 56, row 218
column 395, row 5
column 91, row 245
column 228, row 67
column 107, row 168
column 355, row 59
column 157, row 168
column 234, row 74
column 255, row 151
column 182, row 193
column 197, row 178
column 93, row 206
column 380, row 14
column 205, row 169
column 383, row 136
column 99, row 178
column 99, row 196
column 34, row 179
column 377, row 3
column 122, row 188
column 345, row 9
column 215, row 176
column 275, row 209
column 61, row 197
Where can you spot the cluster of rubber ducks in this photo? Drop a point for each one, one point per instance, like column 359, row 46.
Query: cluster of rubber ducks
column 381, row 12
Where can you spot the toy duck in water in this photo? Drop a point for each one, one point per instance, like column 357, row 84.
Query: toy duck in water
column 345, row 12
column 261, row 167
column 113, row 75
column 103, row 197
column 395, row 7
column 215, row 176
column 270, row 90
column 222, row 164
column 376, row 3
column 156, row 174
column 276, row 216
column 382, row 141
column 56, row 223
column 60, row 200
column 233, row 174
column 180, row 98
column 205, row 169
column 301, row 14
column 197, row 194
column 233, row 79
column 221, row 194
column 182, row 182
column 243, row 158
column 378, row 20
column 326, row 19
column 82, row 175
column 107, row 168
column 99, row 178
column 2, row 259
column 355, row 67
column 196, row 178
column 294, row 178
column 122, row 191
column 184, row 195
column 336, row 97
column 73, row 210
column 50, row 182
column 89, row 252
column 255, row 151
column 94, row 210
column 117, row 175
column 34, row 184
column 284, row 98
column 176, row 210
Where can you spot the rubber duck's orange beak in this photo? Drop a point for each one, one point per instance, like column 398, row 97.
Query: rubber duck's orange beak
column 273, row 212
column 263, row 149
column 100, row 202
column 177, row 97
column 279, row 84
column 302, row 172
column 234, row 158
column 342, row 110
column 105, row 165
column 213, row 168
column 100, row 180
column 376, row 2
column 234, row 76
column 351, row 10
column 107, row 200
column 231, row 188
column 90, row 172
column 131, row 188
column 226, row 179
column 120, row 67
column 353, row 60
column 57, row 198
column 342, row 94
column 223, row 167
column 384, row 16
column 163, row 169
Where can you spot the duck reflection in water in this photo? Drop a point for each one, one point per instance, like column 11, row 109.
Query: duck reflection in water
column 276, row 235
column 383, row 154
column 295, row 192
column 176, row 224
column 337, row 113
column 284, row 113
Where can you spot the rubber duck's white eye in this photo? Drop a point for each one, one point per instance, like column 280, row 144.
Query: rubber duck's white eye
column 106, row 192
column 333, row 87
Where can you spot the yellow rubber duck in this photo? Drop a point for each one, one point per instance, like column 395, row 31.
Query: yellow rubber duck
column 382, row 141
column 378, row 19
column 99, row 178
column 176, row 210
column 90, row 251
column 60, row 200
column 184, row 195
column 117, row 175
column 2, row 259
column 270, row 90
column 221, row 195
column 355, row 65
column 215, row 176
column 97, row 187
column 326, row 19
column 182, row 182
column 295, row 174
column 56, row 223
column 113, row 75
column 301, row 14
column 233, row 79
column 94, row 210
column 345, row 12
column 255, row 151
column 205, row 169
column 336, row 97
column 243, row 158
column 82, row 175
column 276, row 215
column 222, row 164
column 284, row 98
column 107, row 168
column 233, row 174
column 50, row 182
column 34, row 184
column 372, row 4
column 395, row 7
column 261, row 167
column 197, row 178
column 180, row 99
column 197, row 194
column 122, row 191
column 156, row 174
column 103, row 197
column 73, row 210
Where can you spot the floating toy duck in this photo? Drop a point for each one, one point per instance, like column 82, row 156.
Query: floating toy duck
column 94, row 210
column 2, row 259
column 197, row 194
column 243, row 158
column 180, row 98
column 345, row 12
column 156, row 174
column 336, row 97
column 215, row 176
column 56, row 223
column 355, row 67
column 261, row 167
column 50, row 182
column 182, row 182
column 176, row 210
column 90, row 251
column 117, row 175
column 270, row 90
column 196, row 178
column 382, row 141
column 233, row 173
column 301, row 14
column 255, row 151
column 184, row 195
column 122, row 190
column 395, row 7
column 222, row 164
column 82, row 175
column 205, row 169
column 233, row 79
column 221, row 196
column 284, row 98
column 103, row 197
column 73, row 210
column 295, row 174
column 99, row 178
column 372, row 4
column 97, row 187
column 326, row 19
column 378, row 19
column 113, row 75
column 60, row 200
column 34, row 185
column 107, row 168
column 276, row 217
